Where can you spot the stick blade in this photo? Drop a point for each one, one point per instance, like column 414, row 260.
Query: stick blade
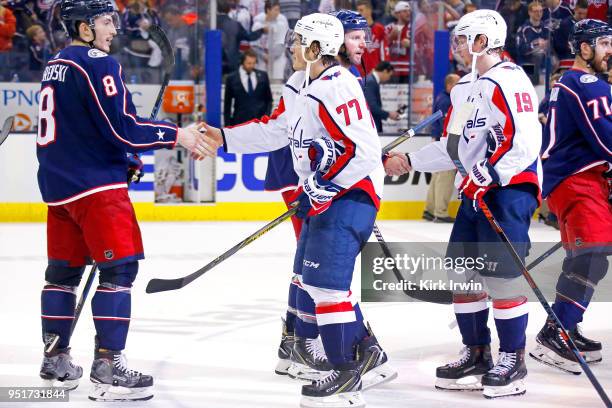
column 163, row 285
column 6, row 128
column 159, row 37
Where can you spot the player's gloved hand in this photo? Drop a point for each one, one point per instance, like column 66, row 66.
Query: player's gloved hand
column 479, row 180
column 316, row 195
column 322, row 153
column 135, row 167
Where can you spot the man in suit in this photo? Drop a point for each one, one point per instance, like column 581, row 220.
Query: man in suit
column 247, row 92
column 381, row 74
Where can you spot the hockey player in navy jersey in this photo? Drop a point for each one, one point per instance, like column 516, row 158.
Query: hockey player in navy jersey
column 336, row 153
column 499, row 146
column 87, row 124
column 577, row 154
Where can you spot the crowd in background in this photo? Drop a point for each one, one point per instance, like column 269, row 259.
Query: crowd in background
column 31, row 32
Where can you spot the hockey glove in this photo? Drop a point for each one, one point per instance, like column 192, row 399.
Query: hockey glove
column 316, row 195
column 322, row 153
column 479, row 180
column 135, row 167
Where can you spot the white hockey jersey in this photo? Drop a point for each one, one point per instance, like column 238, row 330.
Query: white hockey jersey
column 504, row 128
column 332, row 106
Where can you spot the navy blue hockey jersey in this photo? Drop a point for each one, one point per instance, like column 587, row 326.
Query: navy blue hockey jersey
column 578, row 133
column 87, row 122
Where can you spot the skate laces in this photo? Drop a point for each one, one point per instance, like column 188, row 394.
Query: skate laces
column 465, row 356
column 328, row 378
column 120, row 362
column 315, row 348
column 505, row 363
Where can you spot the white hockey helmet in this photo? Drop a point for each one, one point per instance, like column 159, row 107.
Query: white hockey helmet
column 325, row 29
column 487, row 22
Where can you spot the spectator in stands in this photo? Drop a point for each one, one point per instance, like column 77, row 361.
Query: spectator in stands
column 380, row 75
column 233, row 33
column 532, row 41
column 136, row 20
column 598, row 10
column 560, row 36
column 57, row 35
column 39, row 51
column 442, row 183
column 182, row 39
column 469, row 8
column 515, row 14
column 8, row 24
column 270, row 48
column 292, row 10
column 247, row 92
column 554, row 13
column 253, row 6
column 426, row 16
column 240, row 13
column 377, row 50
column 398, row 38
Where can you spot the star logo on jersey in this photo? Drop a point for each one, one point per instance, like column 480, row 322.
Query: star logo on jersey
column 160, row 134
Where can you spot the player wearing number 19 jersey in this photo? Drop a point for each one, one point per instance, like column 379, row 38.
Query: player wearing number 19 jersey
column 499, row 148
column 87, row 124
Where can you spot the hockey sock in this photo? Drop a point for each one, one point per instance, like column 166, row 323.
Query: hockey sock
column 111, row 307
column 472, row 313
column 341, row 326
column 57, row 311
column 292, row 305
column 306, row 323
column 511, row 317
column 569, row 314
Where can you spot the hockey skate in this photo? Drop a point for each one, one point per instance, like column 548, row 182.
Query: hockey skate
column 57, row 370
column 374, row 365
column 308, row 360
column 507, row 377
column 284, row 351
column 339, row 388
column 465, row 374
column 553, row 350
column 590, row 349
column 113, row 381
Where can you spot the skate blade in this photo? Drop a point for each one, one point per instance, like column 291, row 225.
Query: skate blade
column 342, row 400
column 592, row 357
column 378, row 376
column 546, row 356
column 469, row 383
column 107, row 392
column 302, row 372
column 282, row 367
column 515, row 389
column 67, row 385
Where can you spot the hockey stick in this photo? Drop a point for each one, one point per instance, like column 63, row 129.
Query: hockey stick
column 454, row 135
column 162, row 285
column 159, row 37
column 6, row 128
column 440, row 296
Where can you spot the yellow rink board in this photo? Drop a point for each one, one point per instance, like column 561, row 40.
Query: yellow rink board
column 37, row 212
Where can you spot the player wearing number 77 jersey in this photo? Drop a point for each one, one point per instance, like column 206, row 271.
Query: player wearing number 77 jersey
column 336, row 153
column 499, row 147
column 87, row 124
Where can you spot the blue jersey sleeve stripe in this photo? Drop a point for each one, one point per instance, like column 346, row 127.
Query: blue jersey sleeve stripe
column 586, row 116
column 95, row 96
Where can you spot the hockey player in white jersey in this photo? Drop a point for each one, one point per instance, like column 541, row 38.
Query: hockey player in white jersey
column 324, row 117
column 499, row 146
